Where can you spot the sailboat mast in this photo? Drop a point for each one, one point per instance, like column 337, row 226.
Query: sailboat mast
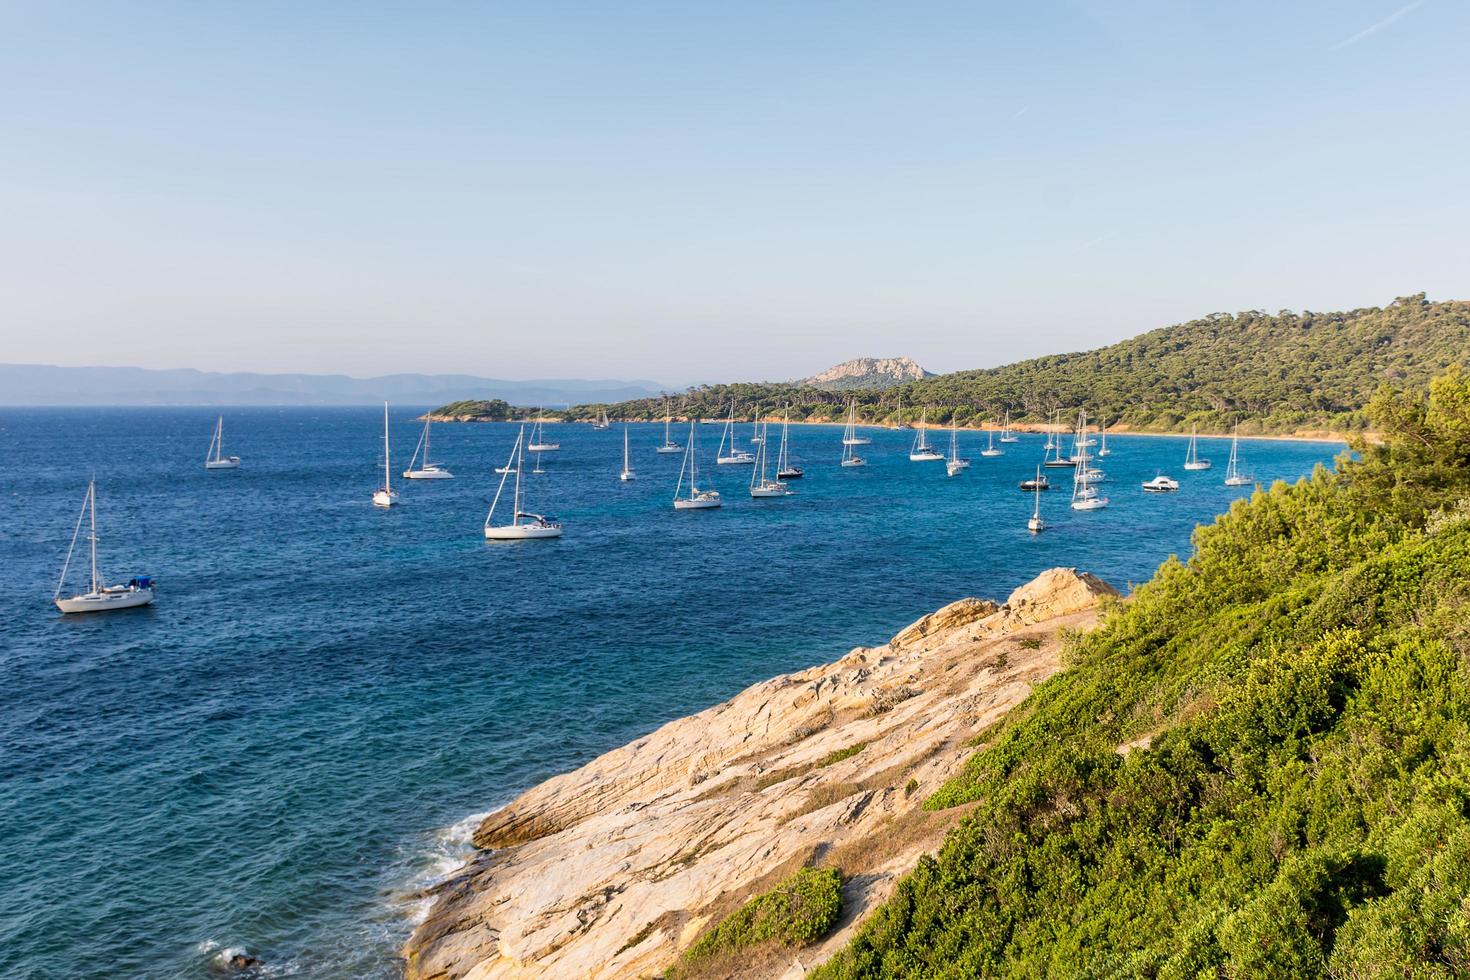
column 515, row 517
column 92, row 499
column 1037, row 511
column 387, row 468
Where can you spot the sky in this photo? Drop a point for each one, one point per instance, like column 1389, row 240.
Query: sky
column 692, row 192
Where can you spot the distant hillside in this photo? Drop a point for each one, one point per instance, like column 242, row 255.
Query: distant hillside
column 43, row 384
column 867, row 372
column 1280, row 373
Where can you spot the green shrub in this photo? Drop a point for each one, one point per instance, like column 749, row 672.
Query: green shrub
column 800, row 910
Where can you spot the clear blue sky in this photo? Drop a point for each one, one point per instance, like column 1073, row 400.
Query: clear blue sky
column 710, row 191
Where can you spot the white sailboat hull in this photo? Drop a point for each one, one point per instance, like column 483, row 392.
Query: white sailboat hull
column 925, row 456
column 737, row 459
column 668, row 449
column 106, row 600
column 385, row 498
column 777, row 490
column 697, row 503
column 993, row 452
column 1238, row 481
column 855, row 461
column 857, row 441
column 1090, row 503
column 1036, row 524
column 428, row 473
column 543, row 447
column 522, row 532
column 627, row 476
column 227, row 463
column 1010, row 438
column 1202, row 464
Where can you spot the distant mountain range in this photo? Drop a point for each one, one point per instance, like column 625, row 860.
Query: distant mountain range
column 44, row 384
column 867, row 372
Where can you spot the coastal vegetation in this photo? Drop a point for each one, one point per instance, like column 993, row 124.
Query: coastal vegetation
column 1285, row 372
column 1259, row 765
column 798, row 911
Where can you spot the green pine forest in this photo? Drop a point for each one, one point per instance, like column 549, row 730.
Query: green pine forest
column 1281, row 373
column 1257, row 766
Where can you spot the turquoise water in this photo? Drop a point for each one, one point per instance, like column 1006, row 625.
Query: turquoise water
column 296, row 736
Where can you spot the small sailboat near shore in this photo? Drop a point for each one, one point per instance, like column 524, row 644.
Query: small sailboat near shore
column 669, row 446
column 602, row 421
column 1036, row 525
column 1006, row 435
column 98, row 598
column 538, row 442
column 1192, row 459
column 697, row 499
column 762, row 486
column 727, row 454
column 955, row 464
column 1053, row 457
column 1233, row 476
column 425, row 470
column 850, row 436
column 386, row 496
column 922, row 452
column 627, row 474
column 524, row 525
column 785, row 469
column 990, row 449
column 214, row 459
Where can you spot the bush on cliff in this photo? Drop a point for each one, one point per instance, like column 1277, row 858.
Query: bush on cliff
column 800, row 910
column 1302, row 805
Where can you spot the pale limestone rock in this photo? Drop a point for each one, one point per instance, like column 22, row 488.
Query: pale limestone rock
column 613, row 869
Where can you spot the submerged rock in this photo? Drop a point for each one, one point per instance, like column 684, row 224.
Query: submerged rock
column 613, row 869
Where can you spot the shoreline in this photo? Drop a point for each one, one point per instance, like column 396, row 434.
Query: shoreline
column 1311, row 435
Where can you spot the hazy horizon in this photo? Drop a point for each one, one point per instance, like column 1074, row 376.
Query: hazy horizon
column 576, row 191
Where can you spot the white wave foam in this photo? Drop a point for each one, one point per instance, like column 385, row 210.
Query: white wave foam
column 443, row 852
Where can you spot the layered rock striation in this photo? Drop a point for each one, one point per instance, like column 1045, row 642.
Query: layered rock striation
column 613, row 869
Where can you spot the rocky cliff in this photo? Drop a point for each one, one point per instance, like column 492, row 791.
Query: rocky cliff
column 613, row 869
column 868, row 372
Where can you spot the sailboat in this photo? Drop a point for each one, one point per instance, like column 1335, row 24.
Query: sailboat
column 990, row 449
column 385, row 496
column 1103, row 450
column 627, row 474
column 785, row 469
column 1084, row 494
column 1051, row 434
column 757, row 432
column 1036, row 524
column 698, row 499
column 1192, row 459
column 602, row 421
column 955, row 464
column 723, row 458
column 1053, row 458
column 922, row 452
column 669, row 446
column 426, row 470
column 1233, row 476
column 213, row 460
column 850, row 458
column 98, row 597
column 1006, row 435
column 760, row 484
column 850, row 435
column 523, row 524
column 538, row 443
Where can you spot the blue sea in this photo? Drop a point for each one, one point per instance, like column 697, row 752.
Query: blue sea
column 298, row 735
